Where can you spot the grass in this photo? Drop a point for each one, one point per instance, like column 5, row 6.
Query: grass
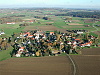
column 9, row 29
column 98, row 23
column 5, row 54
column 93, row 34
column 62, row 54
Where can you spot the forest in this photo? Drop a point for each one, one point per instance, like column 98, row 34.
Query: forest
column 95, row 14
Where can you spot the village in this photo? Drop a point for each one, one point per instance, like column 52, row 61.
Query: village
column 51, row 43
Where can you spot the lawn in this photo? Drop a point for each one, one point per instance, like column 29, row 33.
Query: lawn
column 10, row 29
column 5, row 54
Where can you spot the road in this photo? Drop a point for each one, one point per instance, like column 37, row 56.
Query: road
column 94, row 26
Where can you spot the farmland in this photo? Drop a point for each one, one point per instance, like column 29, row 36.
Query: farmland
column 38, row 66
column 88, row 62
column 20, row 15
column 65, row 24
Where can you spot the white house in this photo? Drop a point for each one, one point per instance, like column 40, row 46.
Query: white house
column 69, row 43
column 10, row 23
column 79, row 32
column 18, row 55
column 1, row 33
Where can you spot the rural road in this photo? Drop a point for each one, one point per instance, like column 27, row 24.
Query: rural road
column 94, row 27
column 73, row 63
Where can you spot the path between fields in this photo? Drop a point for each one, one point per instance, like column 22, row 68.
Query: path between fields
column 94, row 27
column 73, row 63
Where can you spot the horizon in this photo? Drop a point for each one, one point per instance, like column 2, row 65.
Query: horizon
column 87, row 4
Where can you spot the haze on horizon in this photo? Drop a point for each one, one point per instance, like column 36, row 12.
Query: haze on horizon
column 50, row 3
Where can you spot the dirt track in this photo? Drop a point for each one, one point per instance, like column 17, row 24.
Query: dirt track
column 88, row 63
column 36, row 66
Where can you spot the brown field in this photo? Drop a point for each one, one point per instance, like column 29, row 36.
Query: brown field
column 49, row 22
column 44, row 28
column 97, row 32
column 74, row 27
column 74, row 24
column 75, row 20
column 89, row 21
column 88, row 63
column 59, row 65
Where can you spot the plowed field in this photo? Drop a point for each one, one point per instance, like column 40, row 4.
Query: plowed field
column 88, row 63
column 36, row 66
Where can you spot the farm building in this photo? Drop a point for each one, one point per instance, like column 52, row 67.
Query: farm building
column 10, row 23
column 1, row 33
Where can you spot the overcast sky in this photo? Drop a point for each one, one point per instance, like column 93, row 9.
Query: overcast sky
column 51, row 3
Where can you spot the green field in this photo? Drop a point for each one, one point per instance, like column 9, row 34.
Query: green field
column 5, row 54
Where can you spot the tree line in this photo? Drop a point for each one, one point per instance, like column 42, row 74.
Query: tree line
column 95, row 14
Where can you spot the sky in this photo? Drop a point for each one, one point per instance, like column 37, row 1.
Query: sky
column 50, row 3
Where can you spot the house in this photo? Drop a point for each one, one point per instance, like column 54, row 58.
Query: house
column 19, row 52
column 1, row 33
column 39, row 33
column 26, row 34
column 77, row 40
column 31, row 21
column 82, row 45
column 86, row 44
column 30, row 36
column 74, row 46
column 44, row 37
column 10, row 23
column 51, row 33
column 69, row 42
column 18, row 55
column 98, row 45
column 79, row 32
column 21, row 49
column 87, row 25
column 74, row 42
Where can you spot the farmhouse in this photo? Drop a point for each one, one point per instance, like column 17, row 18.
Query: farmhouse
column 19, row 52
column 10, row 23
column 79, row 32
column 1, row 33
column 51, row 33
column 31, row 21
column 86, row 44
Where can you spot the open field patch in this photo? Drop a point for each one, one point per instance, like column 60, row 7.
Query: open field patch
column 74, row 24
column 76, row 21
column 49, row 22
column 77, row 27
column 44, row 28
column 97, row 32
column 36, row 66
column 89, row 21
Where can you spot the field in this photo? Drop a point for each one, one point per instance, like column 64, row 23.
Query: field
column 88, row 62
column 44, row 28
column 36, row 66
column 57, row 22
column 74, row 24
